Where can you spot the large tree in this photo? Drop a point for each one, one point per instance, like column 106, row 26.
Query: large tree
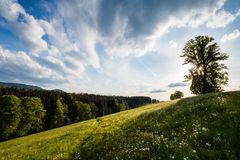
column 207, row 73
column 32, row 114
column 82, row 111
column 10, row 114
column 60, row 116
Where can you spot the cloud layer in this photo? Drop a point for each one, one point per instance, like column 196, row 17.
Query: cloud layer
column 173, row 85
column 19, row 64
column 157, row 91
column 231, row 36
column 84, row 34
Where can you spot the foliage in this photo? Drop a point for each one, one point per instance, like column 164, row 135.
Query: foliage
column 207, row 74
column 93, row 110
column 119, row 105
column 32, row 114
column 176, row 95
column 155, row 101
column 60, row 116
column 10, row 114
column 61, row 107
column 82, row 111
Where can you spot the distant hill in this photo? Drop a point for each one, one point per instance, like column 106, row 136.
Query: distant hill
column 57, row 90
column 19, row 86
column 25, row 86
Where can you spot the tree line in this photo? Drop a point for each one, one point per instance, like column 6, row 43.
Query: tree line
column 24, row 112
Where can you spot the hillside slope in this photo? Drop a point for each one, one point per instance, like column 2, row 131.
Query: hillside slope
column 203, row 127
column 20, row 86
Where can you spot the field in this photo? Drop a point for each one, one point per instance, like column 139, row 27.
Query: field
column 203, row 127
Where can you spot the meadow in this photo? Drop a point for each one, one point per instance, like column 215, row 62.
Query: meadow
column 201, row 127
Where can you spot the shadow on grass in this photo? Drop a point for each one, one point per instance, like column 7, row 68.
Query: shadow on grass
column 203, row 127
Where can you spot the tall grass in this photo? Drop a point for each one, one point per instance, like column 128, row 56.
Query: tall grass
column 202, row 127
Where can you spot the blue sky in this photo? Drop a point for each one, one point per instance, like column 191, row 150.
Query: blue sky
column 112, row 47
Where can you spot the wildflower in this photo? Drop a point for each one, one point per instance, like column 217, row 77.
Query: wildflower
column 208, row 144
column 194, row 151
column 175, row 139
column 204, row 129
column 172, row 157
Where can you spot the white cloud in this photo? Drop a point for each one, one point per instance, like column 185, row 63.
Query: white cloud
column 214, row 16
column 68, row 50
column 19, row 65
column 79, row 20
column 57, row 36
column 220, row 19
column 231, row 36
column 23, row 25
column 210, row 14
column 73, row 31
column 173, row 44
column 79, row 33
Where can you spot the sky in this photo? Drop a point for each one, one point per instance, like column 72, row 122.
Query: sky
column 112, row 47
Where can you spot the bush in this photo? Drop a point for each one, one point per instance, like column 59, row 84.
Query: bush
column 176, row 95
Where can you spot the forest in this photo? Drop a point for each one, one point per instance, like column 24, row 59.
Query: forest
column 24, row 112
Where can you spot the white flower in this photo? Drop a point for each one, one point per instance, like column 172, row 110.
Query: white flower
column 214, row 114
column 208, row 144
column 172, row 157
column 175, row 139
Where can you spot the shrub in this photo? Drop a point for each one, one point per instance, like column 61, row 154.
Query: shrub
column 176, row 95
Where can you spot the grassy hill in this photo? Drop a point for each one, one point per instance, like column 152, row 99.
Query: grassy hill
column 203, row 127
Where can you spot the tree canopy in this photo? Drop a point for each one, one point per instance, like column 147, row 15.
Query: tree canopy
column 10, row 114
column 207, row 74
column 60, row 116
column 176, row 95
column 32, row 114
column 24, row 112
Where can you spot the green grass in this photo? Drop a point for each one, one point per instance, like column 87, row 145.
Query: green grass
column 62, row 143
column 203, row 127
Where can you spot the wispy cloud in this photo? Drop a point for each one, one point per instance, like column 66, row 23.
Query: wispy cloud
column 157, row 91
column 19, row 66
column 148, row 69
column 231, row 36
column 173, row 44
column 63, row 44
column 25, row 26
column 178, row 84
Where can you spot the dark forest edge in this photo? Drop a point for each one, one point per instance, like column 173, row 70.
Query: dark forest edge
column 27, row 111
